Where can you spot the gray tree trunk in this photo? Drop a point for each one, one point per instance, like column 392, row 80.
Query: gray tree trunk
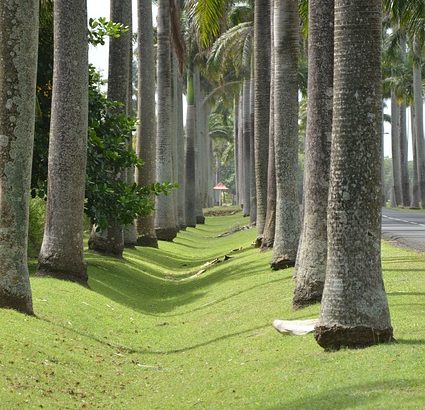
column 111, row 242
column 236, row 146
column 404, row 163
column 415, row 174
column 146, row 130
column 262, row 61
column 190, row 187
column 354, row 309
column 311, row 258
column 174, row 132
column 270, row 222
column 130, row 231
column 246, row 154
column 240, row 151
column 61, row 253
column 165, row 218
column 181, row 208
column 18, row 68
column 419, row 117
column 395, row 145
column 252, row 176
column 286, row 45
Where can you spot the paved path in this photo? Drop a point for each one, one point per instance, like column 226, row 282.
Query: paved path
column 406, row 228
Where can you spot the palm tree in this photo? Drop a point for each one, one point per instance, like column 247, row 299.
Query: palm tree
column 111, row 241
column 146, row 131
column 262, row 50
column 165, row 218
column 311, row 259
column 61, row 253
column 18, row 68
column 354, row 310
column 286, row 45
column 246, row 152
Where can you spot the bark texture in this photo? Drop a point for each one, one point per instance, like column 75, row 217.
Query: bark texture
column 270, row 222
column 18, row 67
column 181, row 207
column 354, row 310
column 246, row 154
column 165, row 218
column 415, row 172
column 395, row 148
column 61, row 253
column 146, row 130
column 262, row 51
column 286, row 45
column 190, row 153
column 311, row 258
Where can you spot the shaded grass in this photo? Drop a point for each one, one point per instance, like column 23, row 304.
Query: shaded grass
column 152, row 335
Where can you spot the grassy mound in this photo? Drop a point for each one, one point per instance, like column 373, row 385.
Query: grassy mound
column 164, row 330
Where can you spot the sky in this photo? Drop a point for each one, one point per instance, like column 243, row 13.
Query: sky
column 98, row 56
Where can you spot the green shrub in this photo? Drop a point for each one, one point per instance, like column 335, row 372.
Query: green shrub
column 37, row 211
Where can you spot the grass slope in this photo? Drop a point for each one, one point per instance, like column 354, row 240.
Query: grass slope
column 153, row 334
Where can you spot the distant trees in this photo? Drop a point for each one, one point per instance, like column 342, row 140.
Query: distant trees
column 18, row 68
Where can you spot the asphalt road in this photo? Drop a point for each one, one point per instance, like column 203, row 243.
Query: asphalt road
column 404, row 228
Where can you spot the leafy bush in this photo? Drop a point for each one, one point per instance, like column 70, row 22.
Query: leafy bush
column 37, row 211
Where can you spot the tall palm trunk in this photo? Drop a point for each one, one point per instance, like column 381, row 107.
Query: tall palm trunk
column 236, row 146
column 311, row 259
column 415, row 173
column 252, row 176
column 286, row 39
column 246, row 154
column 181, row 208
column 270, row 222
column 404, row 163
column 18, row 69
column 61, row 253
column 111, row 241
column 174, row 132
column 262, row 51
column 146, row 130
column 190, row 152
column 395, row 145
column 240, row 150
column 165, row 218
column 354, row 310
column 419, row 116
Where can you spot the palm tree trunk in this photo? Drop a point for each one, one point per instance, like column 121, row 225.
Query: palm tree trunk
column 240, row 151
column 262, row 51
column 415, row 176
column 286, row 39
column 311, row 259
column 165, row 218
column 146, row 130
column 419, row 117
column 354, row 310
column 190, row 152
column 395, row 145
column 404, row 163
column 236, row 146
column 181, row 217
column 111, row 242
column 18, row 68
column 246, row 163
column 270, row 222
column 61, row 253
column 252, row 176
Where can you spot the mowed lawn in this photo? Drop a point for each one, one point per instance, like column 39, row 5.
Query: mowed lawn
column 157, row 330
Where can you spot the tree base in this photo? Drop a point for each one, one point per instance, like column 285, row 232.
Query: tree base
column 21, row 304
column 147, row 242
column 332, row 338
column 282, row 263
column 200, row 220
column 306, row 296
column 105, row 247
column 166, row 234
column 75, row 275
column 266, row 245
column 182, row 227
column 258, row 242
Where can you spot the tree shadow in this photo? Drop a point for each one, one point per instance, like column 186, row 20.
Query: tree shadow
column 410, row 342
column 358, row 395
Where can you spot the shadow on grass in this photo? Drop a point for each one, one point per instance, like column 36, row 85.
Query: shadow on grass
column 139, row 350
column 359, row 395
column 410, row 342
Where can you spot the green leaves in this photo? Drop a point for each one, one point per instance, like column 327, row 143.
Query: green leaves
column 100, row 28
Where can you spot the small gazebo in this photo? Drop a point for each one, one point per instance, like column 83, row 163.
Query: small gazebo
column 220, row 188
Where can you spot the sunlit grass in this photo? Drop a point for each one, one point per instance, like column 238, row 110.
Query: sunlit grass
column 155, row 332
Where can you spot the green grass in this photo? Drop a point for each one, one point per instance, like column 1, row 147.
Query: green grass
column 152, row 334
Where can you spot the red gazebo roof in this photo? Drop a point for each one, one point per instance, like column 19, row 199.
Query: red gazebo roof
column 221, row 186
